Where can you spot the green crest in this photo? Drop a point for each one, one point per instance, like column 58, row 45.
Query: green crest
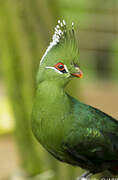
column 64, row 46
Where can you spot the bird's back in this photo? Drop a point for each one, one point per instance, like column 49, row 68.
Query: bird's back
column 93, row 138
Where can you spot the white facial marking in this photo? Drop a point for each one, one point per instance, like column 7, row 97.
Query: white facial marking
column 66, row 68
column 67, row 71
column 59, row 72
column 49, row 67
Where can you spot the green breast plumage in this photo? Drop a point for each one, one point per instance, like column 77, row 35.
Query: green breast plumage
column 71, row 131
column 52, row 116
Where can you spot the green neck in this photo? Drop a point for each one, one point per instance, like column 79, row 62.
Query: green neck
column 52, row 113
column 51, row 92
column 53, row 99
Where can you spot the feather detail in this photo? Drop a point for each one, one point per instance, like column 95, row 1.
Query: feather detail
column 61, row 33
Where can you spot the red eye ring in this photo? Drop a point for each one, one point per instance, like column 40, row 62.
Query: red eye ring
column 61, row 68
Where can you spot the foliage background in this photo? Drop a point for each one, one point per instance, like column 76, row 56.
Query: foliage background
column 26, row 28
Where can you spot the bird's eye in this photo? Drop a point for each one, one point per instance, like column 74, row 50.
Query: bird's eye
column 60, row 66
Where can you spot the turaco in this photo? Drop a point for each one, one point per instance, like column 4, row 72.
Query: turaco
column 70, row 130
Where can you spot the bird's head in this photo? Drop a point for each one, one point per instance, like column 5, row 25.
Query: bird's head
column 60, row 62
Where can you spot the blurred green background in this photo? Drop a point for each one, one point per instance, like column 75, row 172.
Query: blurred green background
column 26, row 28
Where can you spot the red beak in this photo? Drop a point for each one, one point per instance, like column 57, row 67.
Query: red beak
column 79, row 74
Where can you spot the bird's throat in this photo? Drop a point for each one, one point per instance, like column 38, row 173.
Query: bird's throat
column 52, row 114
column 51, row 93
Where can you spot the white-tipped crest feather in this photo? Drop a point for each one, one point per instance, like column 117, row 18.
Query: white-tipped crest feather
column 56, row 37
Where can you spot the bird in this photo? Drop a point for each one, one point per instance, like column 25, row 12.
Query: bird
column 70, row 130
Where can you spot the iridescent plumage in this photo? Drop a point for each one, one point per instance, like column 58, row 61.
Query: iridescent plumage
column 71, row 131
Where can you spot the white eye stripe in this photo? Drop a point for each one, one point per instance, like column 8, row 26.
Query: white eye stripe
column 66, row 68
column 49, row 67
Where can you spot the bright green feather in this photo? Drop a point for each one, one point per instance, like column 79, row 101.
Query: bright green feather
column 71, row 131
